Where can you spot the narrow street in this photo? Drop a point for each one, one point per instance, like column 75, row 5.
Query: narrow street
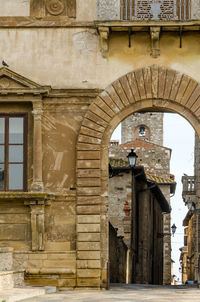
column 125, row 293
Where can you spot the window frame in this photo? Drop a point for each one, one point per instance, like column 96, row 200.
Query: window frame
column 6, row 150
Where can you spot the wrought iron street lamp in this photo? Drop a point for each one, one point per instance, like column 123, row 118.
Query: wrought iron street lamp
column 173, row 227
column 132, row 157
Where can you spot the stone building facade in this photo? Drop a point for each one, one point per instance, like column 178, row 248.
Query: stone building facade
column 155, row 158
column 190, row 222
column 72, row 78
column 143, row 236
column 151, row 123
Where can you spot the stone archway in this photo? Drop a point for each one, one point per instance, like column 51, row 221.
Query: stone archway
column 154, row 87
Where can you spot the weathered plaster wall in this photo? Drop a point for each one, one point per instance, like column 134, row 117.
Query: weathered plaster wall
column 59, row 56
column 86, row 10
column 14, row 8
column 61, row 124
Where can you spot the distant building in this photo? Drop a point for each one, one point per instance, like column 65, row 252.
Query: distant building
column 142, row 240
column 141, row 133
column 188, row 256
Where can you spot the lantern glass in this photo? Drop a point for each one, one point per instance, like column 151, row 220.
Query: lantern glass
column 132, row 156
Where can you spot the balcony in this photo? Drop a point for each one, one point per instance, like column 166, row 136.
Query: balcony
column 148, row 10
column 189, row 187
column 152, row 16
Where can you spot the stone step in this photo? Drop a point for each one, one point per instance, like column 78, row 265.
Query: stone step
column 18, row 294
column 11, row 279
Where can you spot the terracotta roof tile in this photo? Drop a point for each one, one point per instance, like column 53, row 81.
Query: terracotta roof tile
column 139, row 143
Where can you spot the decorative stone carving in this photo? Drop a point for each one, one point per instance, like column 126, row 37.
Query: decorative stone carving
column 37, row 226
column 155, row 41
column 37, row 208
column 55, row 7
column 41, row 8
column 108, row 9
column 152, row 9
column 104, row 36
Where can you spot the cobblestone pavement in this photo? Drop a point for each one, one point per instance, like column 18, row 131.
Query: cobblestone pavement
column 129, row 293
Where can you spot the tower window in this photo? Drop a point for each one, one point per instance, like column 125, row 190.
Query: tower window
column 142, row 131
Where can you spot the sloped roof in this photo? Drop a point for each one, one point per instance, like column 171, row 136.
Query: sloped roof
column 158, row 179
column 140, row 143
column 118, row 163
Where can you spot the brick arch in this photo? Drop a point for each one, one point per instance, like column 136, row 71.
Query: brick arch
column 155, row 87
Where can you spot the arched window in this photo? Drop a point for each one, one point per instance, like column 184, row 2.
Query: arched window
column 142, row 131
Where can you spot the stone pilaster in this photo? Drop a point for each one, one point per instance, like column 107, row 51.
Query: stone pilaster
column 37, row 226
column 37, row 211
column 37, row 184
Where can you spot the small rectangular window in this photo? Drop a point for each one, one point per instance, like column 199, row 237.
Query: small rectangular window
column 13, row 151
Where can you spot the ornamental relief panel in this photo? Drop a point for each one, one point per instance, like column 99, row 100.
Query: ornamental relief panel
column 42, row 8
column 55, row 7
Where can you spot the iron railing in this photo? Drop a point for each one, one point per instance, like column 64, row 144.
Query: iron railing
column 146, row 10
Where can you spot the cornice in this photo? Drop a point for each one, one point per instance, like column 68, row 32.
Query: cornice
column 46, row 22
column 78, row 92
column 65, row 22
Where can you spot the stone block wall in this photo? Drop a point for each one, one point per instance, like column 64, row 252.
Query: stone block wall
column 119, row 189
column 152, row 120
column 117, row 257
column 154, row 158
column 55, row 268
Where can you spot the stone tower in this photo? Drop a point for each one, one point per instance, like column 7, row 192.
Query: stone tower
column 147, row 126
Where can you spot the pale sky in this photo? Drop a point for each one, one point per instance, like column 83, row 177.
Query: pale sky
column 179, row 136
